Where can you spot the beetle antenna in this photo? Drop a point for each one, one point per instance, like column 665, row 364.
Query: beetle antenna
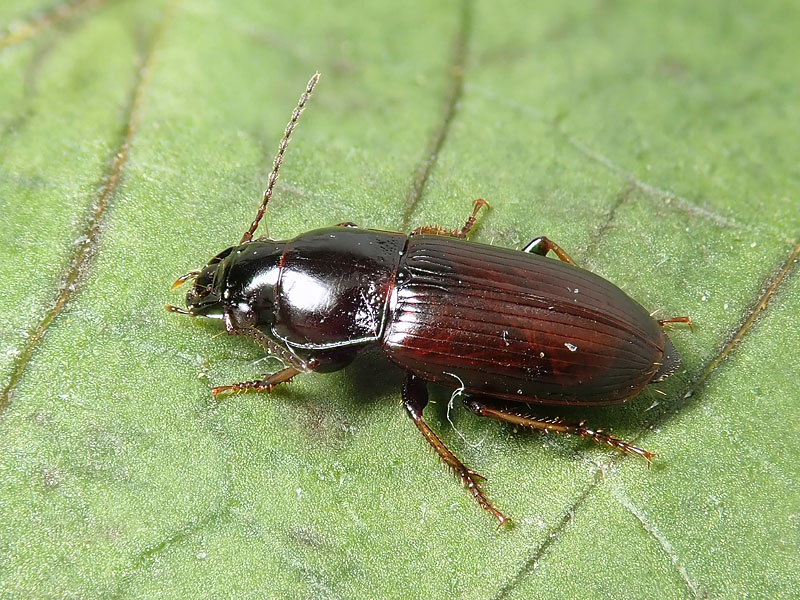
column 273, row 176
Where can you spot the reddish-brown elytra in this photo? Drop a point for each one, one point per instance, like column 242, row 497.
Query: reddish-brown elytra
column 502, row 326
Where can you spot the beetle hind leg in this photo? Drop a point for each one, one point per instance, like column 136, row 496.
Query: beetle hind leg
column 267, row 384
column 485, row 409
column 415, row 397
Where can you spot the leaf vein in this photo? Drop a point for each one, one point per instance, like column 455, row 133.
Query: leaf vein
column 532, row 562
column 86, row 250
column 455, row 91
column 611, row 216
column 182, row 534
column 42, row 21
column 660, row 539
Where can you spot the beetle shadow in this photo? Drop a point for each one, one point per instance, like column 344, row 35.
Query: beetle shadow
column 375, row 377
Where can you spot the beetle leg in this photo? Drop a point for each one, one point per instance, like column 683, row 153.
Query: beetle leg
column 479, row 203
column 543, row 245
column 462, row 233
column 687, row 320
column 227, row 320
column 485, row 409
column 346, row 224
column 262, row 385
column 415, row 398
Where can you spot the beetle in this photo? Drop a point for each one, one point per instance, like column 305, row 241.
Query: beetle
column 500, row 326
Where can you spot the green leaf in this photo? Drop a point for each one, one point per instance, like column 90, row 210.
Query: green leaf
column 653, row 142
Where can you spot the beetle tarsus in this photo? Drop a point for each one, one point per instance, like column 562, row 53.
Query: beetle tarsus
column 479, row 203
column 599, row 437
column 485, row 409
column 415, row 397
column 456, row 233
column 686, row 320
column 261, row 385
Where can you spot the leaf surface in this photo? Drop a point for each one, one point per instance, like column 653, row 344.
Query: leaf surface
column 654, row 143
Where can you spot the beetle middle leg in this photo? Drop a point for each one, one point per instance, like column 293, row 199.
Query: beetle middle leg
column 484, row 408
column 457, row 233
column 261, row 385
column 415, row 398
column 542, row 245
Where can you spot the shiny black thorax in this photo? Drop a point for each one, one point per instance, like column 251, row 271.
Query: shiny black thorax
column 316, row 299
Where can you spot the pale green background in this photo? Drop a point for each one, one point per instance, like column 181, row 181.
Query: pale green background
column 657, row 142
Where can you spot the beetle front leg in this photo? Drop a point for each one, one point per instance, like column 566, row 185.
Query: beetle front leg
column 262, row 385
column 542, row 245
column 415, row 398
column 462, row 233
column 485, row 409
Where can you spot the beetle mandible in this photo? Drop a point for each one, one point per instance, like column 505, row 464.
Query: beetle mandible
column 500, row 325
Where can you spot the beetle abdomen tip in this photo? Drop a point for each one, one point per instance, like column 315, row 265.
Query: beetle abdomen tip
column 670, row 361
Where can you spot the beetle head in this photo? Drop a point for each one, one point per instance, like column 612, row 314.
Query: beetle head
column 246, row 280
column 237, row 286
column 204, row 299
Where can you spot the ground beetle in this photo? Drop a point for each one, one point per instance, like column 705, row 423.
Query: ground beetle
column 501, row 326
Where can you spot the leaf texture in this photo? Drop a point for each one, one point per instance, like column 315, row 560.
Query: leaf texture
column 653, row 142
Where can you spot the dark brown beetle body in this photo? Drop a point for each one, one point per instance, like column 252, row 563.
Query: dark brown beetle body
column 519, row 326
column 500, row 326
column 493, row 321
